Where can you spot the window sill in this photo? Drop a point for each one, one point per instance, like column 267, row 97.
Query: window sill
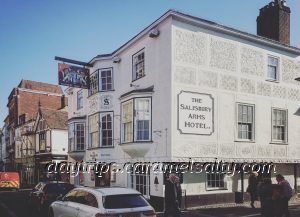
column 272, row 80
column 135, row 142
column 245, row 140
column 105, row 147
column 138, row 78
column 93, row 94
column 278, row 143
column 216, row 189
column 74, row 151
column 104, row 91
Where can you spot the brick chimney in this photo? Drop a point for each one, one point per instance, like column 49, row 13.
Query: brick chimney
column 274, row 21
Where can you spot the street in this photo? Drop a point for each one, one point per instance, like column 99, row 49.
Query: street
column 15, row 204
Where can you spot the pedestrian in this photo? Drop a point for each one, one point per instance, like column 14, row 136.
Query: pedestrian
column 286, row 194
column 252, row 187
column 178, row 191
column 265, row 191
column 171, row 196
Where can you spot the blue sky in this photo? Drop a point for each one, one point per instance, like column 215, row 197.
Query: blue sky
column 32, row 32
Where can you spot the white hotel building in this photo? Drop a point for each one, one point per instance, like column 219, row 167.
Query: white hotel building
column 186, row 88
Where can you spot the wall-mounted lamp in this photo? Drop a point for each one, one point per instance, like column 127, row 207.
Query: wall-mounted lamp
column 154, row 33
column 116, row 59
column 297, row 79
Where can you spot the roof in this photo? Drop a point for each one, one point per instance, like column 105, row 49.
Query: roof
column 55, row 119
column 40, row 86
column 113, row 190
column 145, row 90
column 187, row 18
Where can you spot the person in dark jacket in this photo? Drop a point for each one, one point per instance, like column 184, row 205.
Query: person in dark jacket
column 265, row 191
column 286, row 194
column 171, row 197
column 252, row 187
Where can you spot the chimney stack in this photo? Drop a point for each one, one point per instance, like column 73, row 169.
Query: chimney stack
column 274, row 21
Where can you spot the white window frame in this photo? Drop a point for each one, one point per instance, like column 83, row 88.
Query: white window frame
column 74, row 137
column 106, row 77
column 238, row 122
column 212, row 188
column 96, row 131
column 137, row 115
column 138, row 66
column 277, row 67
column 274, row 140
column 141, row 115
column 125, row 135
column 103, row 114
column 94, row 83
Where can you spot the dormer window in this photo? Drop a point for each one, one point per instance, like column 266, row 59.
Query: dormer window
column 273, row 68
column 138, row 65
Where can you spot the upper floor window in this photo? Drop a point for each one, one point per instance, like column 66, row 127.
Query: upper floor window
column 101, row 130
column 106, row 129
column 22, row 119
column 106, row 78
column 245, row 121
column 136, row 120
column 94, row 83
column 42, row 142
column 279, row 125
column 138, row 65
column 94, row 130
column 273, row 66
column 127, row 121
column 76, row 137
column 80, row 99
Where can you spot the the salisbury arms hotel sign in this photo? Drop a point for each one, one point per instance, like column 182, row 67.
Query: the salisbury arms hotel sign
column 195, row 113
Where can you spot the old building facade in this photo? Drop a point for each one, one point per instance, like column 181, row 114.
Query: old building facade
column 23, row 105
column 189, row 89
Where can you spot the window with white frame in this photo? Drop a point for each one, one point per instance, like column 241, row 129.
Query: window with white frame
column 136, row 120
column 215, row 181
column 127, row 121
column 106, row 79
column 76, row 137
column 245, row 124
column 142, row 119
column 279, row 125
column 140, row 181
column 106, row 129
column 71, row 137
column 94, row 130
column 138, row 65
column 79, row 99
column 273, row 66
column 94, row 83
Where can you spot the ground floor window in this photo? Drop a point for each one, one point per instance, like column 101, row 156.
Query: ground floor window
column 140, row 182
column 215, row 181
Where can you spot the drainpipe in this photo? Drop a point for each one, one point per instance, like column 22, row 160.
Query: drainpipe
column 295, row 178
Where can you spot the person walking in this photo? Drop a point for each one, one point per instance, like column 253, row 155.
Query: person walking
column 286, row 194
column 265, row 191
column 252, row 187
column 171, row 196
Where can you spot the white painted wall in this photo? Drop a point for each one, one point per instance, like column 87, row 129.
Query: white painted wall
column 59, row 139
